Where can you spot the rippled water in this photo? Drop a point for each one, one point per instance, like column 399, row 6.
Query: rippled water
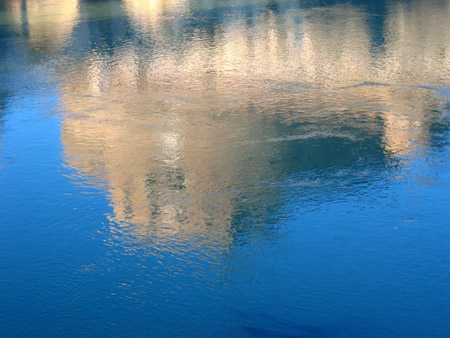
column 183, row 168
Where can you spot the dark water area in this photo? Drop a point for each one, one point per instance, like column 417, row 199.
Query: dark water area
column 181, row 168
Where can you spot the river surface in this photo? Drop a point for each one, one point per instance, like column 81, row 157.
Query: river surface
column 212, row 168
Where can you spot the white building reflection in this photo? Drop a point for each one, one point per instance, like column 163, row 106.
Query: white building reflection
column 197, row 123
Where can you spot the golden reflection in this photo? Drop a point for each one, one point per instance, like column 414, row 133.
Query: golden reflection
column 149, row 14
column 48, row 23
column 189, row 134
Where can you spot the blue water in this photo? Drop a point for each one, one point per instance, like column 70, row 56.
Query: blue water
column 224, row 168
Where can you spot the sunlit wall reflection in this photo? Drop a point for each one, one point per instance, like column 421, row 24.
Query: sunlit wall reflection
column 204, row 129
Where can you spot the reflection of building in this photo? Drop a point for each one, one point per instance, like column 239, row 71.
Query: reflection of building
column 46, row 23
column 170, row 165
column 150, row 14
column 194, row 128
column 418, row 40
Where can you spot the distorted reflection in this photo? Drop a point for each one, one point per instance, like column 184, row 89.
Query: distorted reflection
column 205, row 119
column 45, row 23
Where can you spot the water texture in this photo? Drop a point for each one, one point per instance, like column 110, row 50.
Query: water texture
column 212, row 168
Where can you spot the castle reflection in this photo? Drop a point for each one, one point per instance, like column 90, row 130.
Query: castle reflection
column 206, row 119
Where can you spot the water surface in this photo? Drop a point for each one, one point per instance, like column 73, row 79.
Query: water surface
column 187, row 168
